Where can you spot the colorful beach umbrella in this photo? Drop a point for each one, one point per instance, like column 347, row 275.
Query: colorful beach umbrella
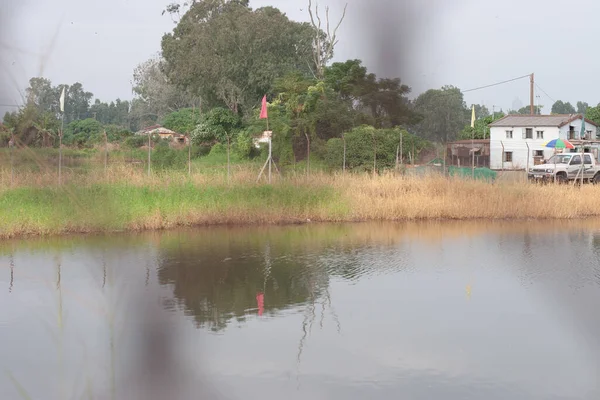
column 559, row 144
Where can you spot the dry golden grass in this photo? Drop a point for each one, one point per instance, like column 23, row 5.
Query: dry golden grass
column 411, row 198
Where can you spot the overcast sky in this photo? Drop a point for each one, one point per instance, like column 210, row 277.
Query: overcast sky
column 427, row 43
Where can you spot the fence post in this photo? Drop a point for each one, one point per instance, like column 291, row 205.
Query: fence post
column 189, row 155
column 502, row 144
column 11, row 145
column 528, row 151
column 149, row 152
column 401, row 149
column 105, row 153
column 374, row 154
column 344, row 162
column 60, row 157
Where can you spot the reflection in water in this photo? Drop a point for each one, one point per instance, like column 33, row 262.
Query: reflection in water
column 251, row 312
column 12, row 274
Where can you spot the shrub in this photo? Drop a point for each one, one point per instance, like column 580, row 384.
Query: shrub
column 182, row 121
column 244, row 146
column 164, row 157
column 361, row 143
column 218, row 149
column 135, row 142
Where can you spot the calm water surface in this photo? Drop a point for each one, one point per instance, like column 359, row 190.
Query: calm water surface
column 367, row 311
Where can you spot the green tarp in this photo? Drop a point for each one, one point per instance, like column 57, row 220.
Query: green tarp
column 485, row 174
column 480, row 173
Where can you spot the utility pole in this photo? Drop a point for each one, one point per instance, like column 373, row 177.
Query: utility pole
column 531, row 105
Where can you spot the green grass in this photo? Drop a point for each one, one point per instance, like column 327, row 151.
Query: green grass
column 103, row 207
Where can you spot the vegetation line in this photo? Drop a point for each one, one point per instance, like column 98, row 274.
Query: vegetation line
column 138, row 204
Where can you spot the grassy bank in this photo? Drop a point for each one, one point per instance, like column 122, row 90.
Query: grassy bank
column 134, row 201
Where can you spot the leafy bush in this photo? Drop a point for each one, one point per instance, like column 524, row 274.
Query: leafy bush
column 217, row 125
column 200, row 151
column 218, row 149
column 182, row 121
column 87, row 127
column 361, row 143
column 164, row 157
column 135, row 142
column 117, row 133
column 244, row 145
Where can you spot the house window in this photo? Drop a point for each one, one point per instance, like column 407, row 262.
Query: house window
column 528, row 133
column 508, row 156
column 588, row 135
column 571, row 133
column 539, row 134
column 509, row 134
column 538, row 153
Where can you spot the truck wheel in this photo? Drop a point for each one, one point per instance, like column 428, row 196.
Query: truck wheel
column 596, row 179
column 561, row 178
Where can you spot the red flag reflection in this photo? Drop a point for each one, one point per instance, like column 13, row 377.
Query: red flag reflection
column 260, row 302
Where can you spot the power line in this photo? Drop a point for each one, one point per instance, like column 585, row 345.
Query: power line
column 542, row 90
column 496, row 84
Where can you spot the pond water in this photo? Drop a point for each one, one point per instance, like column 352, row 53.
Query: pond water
column 464, row 310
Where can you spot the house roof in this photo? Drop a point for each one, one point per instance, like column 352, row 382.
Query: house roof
column 557, row 120
column 157, row 129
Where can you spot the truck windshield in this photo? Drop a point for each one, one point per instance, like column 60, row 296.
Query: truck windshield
column 560, row 159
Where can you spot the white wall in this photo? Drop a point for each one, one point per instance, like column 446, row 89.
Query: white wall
column 518, row 146
column 564, row 131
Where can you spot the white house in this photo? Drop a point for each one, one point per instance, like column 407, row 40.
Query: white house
column 518, row 141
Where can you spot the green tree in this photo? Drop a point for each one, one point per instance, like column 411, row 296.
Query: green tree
column 593, row 114
column 562, row 108
column 229, row 55
column 156, row 95
column 380, row 102
column 182, row 121
column 115, row 113
column 526, row 110
column 481, row 111
column 444, row 114
column 77, row 101
column 481, row 130
column 218, row 124
column 83, row 132
column 582, row 106
column 32, row 126
column 42, row 95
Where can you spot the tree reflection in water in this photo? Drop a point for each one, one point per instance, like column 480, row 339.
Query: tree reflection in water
column 217, row 277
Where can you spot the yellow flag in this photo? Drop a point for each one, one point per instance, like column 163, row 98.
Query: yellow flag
column 473, row 117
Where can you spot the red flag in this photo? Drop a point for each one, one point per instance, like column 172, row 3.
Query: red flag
column 260, row 302
column 263, row 110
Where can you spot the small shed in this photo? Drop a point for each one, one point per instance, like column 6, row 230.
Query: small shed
column 164, row 133
column 461, row 152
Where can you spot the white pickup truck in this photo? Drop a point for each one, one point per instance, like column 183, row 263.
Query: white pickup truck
column 566, row 167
